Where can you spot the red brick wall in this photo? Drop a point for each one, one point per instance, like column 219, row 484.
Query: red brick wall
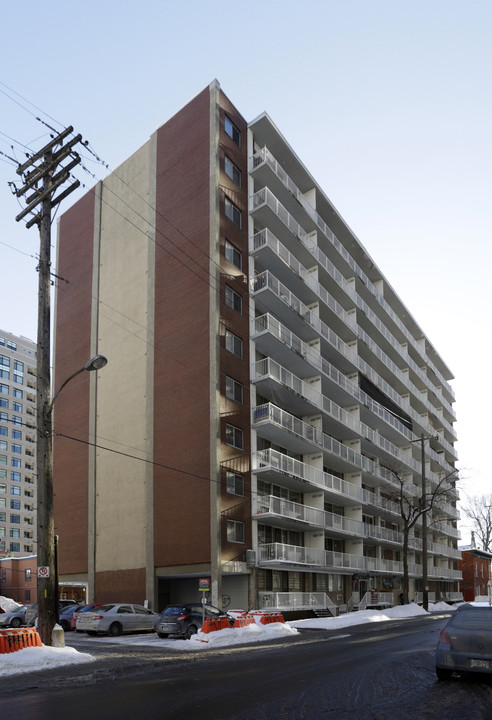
column 181, row 349
column 71, row 414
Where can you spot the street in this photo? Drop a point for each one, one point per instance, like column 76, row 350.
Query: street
column 369, row 672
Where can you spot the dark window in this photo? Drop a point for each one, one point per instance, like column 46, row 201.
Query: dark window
column 234, row 389
column 234, row 437
column 232, row 130
column 233, row 344
column 233, row 212
column 232, row 171
column 233, row 255
column 233, row 299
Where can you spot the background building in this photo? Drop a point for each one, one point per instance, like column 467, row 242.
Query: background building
column 476, row 566
column 264, row 384
column 18, row 579
column 17, row 445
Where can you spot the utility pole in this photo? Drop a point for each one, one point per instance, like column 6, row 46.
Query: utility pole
column 42, row 174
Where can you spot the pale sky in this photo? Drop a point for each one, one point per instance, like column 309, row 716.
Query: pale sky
column 387, row 103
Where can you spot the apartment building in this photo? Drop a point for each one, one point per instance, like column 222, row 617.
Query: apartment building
column 266, row 389
column 17, row 445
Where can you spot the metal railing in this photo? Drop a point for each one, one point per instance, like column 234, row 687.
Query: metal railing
column 296, row 601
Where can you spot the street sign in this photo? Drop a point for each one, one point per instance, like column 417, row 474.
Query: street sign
column 43, row 571
column 204, row 584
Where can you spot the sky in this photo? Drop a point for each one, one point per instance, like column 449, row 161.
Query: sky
column 388, row 105
column 29, row 659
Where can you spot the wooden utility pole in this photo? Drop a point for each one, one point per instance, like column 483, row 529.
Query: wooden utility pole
column 42, row 174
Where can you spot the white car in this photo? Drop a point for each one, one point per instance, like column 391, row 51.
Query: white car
column 117, row 618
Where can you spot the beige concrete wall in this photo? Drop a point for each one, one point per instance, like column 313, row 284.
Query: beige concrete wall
column 124, row 396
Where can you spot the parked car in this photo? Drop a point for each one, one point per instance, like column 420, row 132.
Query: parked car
column 82, row 608
column 13, row 618
column 117, row 618
column 65, row 616
column 32, row 610
column 465, row 643
column 185, row 619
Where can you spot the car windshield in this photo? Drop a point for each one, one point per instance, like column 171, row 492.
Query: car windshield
column 176, row 610
column 473, row 618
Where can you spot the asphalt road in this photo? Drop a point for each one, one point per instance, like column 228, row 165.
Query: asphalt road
column 371, row 672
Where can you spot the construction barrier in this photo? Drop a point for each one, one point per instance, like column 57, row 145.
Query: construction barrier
column 213, row 624
column 264, row 617
column 243, row 620
column 12, row 640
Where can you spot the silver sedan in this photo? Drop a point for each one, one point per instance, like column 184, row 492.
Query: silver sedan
column 117, row 618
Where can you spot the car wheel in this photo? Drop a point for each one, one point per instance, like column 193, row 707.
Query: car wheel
column 115, row 629
column 163, row 635
column 15, row 623
column 443, row 673
column 190, row 630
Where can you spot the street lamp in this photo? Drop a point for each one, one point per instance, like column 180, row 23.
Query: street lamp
column 47, row 571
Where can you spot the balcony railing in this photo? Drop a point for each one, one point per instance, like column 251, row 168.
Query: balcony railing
column 295, row 601
column 318, row 478
column 265, row 156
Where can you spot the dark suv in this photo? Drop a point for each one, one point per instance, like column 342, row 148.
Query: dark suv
column 185, row 619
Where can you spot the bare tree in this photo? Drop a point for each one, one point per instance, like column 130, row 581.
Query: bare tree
column 412, row 508
column 479, row 510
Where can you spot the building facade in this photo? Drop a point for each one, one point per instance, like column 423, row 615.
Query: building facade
column 476, row 567
column 17, row 445
column 265, row 389
column 18, row 579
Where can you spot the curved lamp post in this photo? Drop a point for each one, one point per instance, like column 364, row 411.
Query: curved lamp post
column 47, row 571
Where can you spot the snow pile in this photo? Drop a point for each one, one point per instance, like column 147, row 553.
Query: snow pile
column 240, row 636
column 40, row 658
column 8, row 604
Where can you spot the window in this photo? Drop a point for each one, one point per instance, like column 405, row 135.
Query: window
column 11, row 345
column 15, row 533
column 16, row 448
column 4, row 389
column 14, row 547
column 15, row 490
column 234, row 437
column 234, row 483
column 233, row 299
column 3, row 503
column 5, row 361
column 17, row 407
column 3, row 445
column 16, row 434
column 3, row 488
column 234, row 389
column 233, row 131
column 17, row 393
column 232, row 212
column 27, row 596
column 3, row 459
column 4, row 417
column 235, row 531
column 4, row 403
column 233, row 255
column 232, row 171
column 15, row 519
column 16, row 420
column 4, row 431
column 15, row 505
column 15, row 476
column 27, row 574
column 14, row 462
column 233, row 344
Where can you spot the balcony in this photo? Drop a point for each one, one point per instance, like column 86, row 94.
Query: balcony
column 295, row 601
column 280, row 555
column 265, row 159
column 295, row 474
